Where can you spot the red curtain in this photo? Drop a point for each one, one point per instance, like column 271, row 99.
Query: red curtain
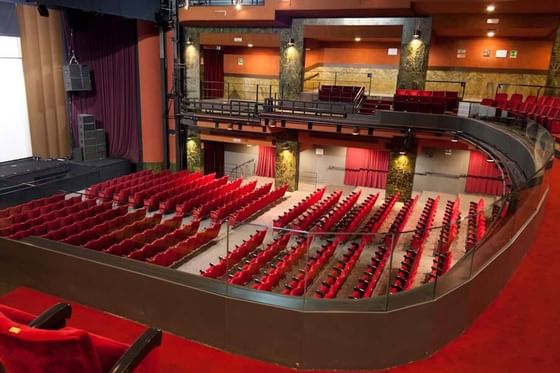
column 366, row 167
column 213, row 85
column 483, row 177
column 266, row 163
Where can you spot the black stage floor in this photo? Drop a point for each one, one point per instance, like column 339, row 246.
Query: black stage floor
column 24, row 179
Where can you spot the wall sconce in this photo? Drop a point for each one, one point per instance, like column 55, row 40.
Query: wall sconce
column 189, row 41
column 230, row 127
column 455, row 138
column 291, row 43
column 238, row 5
column 417, row 34
column 286, row 146
column 490, row 159
column 448, row 152
column 355, row 131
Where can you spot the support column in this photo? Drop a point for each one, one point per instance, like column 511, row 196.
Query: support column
column 414, row 53
column 287, row 164
column 401, row 174
column 194, row 150
column 553, row 78
column 292, row 60
column 192, row 62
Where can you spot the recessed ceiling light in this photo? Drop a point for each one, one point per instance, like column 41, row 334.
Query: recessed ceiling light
column 491, row 33
column 308, row 49
column 493, row 21
column 238, row 5
column 357, row 39
column 238, row 39
column 250, row 45
column 491, row 8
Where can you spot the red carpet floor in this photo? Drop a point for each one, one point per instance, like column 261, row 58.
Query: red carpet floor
column 519, row 332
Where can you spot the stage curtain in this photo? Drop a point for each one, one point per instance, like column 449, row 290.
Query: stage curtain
column 483, row 177
column 42, row 52
column 366, row 167
column 266, row 163
column 108, row 45
column 213, row 73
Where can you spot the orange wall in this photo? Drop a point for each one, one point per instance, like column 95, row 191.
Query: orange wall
column 257, row 61
column 362, row 54
column 150, row 93
column 531, row 54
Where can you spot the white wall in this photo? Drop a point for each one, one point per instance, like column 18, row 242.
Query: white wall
column 309, row 163
column 435, row 160
column 236, row 154
column 15, row 139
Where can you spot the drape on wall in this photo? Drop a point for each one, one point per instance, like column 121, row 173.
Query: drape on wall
column 266, row 163
column 214, row 157
column 108, row 45
column 483, row 177
column 42, row 52
column 366, row 167
column 213, row 84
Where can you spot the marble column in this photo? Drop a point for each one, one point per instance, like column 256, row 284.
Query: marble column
column 553, row 78
column 414, row 53
column 287, row 164
column 192, row 62
column 292, row 60
column 401, row 174
column 194, row 150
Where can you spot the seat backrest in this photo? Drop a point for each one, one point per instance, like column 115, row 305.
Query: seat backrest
column 541, row 100
column 27, row 350
column 556, row 102
column 516, row 97
column 425, row 93
column 413, row 92
column 531, row 99
column 451, row 94
column 548, row 101
column 438, row 93
column 16, row 315
column 402, row 92
column 501, row 96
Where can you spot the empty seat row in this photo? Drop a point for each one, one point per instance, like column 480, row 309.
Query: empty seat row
column 352, row 220
column 421, row 101
column 329, row 220
column 224, row 211
column 93, row 191
column 340, row 93
column 107, row 193
column 182, row 202
column 207, row 202
column 235, row 256
column 399, row 222
column 375, row 222
column 250, row 209
column 450, row 228
column 476, row 227
column 153, row 202
column 311, row 215
column 7, row 215
column 254, row 265
column 173, row 181
column 371, row 105
column 296, row 210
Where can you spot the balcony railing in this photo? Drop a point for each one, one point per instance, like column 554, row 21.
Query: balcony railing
column 224, row 2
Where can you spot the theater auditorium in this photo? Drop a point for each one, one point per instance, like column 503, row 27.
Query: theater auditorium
column 279, row 186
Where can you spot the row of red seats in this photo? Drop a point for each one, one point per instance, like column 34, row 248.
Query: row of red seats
column 28, row 206
column 314, row 265
column 449, row 231
column 107, row 193
column 368, row 281
column 126, row 195
column 501, row 101
column 296, row 210
column 351, row 221
column 476, row 227
column 421, row 101
column 178, row 252
column 103, row 228
column 213, row 199
column 57, row 219
column 371, row 105
column 342, row 269
column 309, row 217
column 123, row 233
column 409, row 266
column 224, row 211
column 334, row 216
column 25, row 219
column 151, row 198
column 340, row 93
column 175, row 181
column 165, row 242
column 250, row 269
column 277, row 271
column 93, row 191
column 88, row 223
column 245, row 212
column 136, row 242
column 235, row 256
column 182, row 202
column 17, row 220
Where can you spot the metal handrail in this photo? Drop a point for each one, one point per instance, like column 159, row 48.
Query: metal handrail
column 195, row 3
column 540, row 87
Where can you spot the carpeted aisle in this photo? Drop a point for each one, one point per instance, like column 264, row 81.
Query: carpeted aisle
column 519, row 332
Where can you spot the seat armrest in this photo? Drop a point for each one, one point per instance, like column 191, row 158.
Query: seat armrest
column 138, row 351
column 54, row 318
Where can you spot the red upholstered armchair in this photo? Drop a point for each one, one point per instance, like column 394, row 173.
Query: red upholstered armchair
column 29, row 344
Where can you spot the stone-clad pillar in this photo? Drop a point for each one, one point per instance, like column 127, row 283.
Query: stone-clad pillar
column 192, row 62
column 292, row 60
column 287, row 164
column 401, row 174
column 553, row 78
column 414, row 53
column 194, row 150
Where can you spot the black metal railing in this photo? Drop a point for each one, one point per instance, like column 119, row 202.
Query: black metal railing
column 539, row 88
column 224, row 2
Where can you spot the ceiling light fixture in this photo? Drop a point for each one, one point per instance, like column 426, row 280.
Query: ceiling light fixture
column 230, row 127
column 491, row 33
column 490, row 8
column 455, row 138
column 357, row 39
column 448, row 152
column 238, row 4
column 250, row 45
column 492, row 21
column 355, row 131
column 417, row 34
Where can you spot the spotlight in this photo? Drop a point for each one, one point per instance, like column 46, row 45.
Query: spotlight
column 238, row 5
column 357, row 39
column 448, row 152
column 291, row 43
column 491, row 33
column 250, row 45
column 402, row 152
column 490, row 8
column 455, row 138
column 43, row 10
column 417, row 34
column 230, row 127
column 355, row 131
column 272, row 123
column 189, row 41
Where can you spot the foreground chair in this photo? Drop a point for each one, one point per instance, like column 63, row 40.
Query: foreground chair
column 30, row 344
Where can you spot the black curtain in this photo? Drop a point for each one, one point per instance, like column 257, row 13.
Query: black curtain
column 214, row 158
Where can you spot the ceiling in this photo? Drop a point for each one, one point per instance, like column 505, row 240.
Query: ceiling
column 348, row 33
